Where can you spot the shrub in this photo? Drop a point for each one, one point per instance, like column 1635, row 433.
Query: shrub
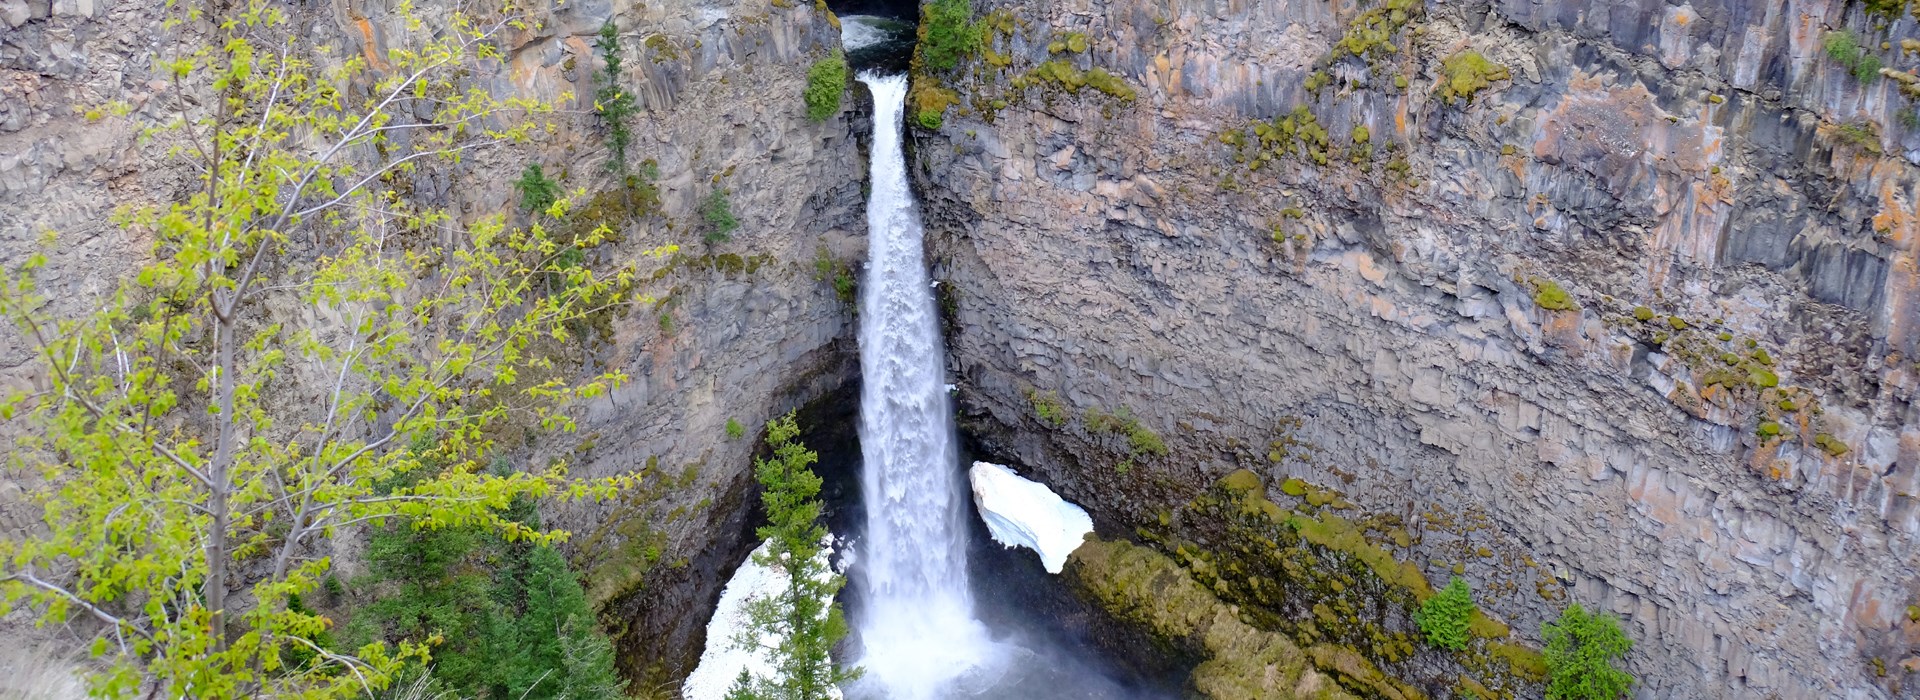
column 1144, row 441
column 826, row 269
column 826, row 82
column 718, row 212
column 1140, row 439
column 1444, row 616
column 947, row 33
column 735, row 430
column 1047, row 406
column 1863, row 135
column 1844, row 48
column 1581, row 651
column 537, row 192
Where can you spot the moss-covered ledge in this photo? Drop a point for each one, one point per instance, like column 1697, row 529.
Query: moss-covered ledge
column 1144, row 587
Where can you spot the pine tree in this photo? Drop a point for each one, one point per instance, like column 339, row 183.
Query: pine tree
column 804, row 617
column 614, row 105
column 559, row 655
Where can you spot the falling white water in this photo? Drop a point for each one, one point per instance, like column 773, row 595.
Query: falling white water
column 917, row 624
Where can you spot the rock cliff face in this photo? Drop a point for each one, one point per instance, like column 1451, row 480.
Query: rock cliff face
column 744, row 330
column 1614, row 303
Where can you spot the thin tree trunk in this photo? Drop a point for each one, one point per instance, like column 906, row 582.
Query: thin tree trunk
column 215, row 591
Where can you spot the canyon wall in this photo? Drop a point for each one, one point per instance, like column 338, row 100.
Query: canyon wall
column 742, row 330
column 1609, row 303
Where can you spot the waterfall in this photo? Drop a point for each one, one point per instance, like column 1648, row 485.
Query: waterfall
column 917, row 623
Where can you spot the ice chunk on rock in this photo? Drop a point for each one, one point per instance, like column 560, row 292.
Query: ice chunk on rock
column 1023, row 513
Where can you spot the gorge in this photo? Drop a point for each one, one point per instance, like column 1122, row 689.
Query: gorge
column 1313, row 305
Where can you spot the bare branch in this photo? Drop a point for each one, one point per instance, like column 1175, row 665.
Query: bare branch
column 119, row 625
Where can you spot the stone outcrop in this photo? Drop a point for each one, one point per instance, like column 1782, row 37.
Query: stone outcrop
column 1243, row 662
column 1625, row 292
column 744, row 330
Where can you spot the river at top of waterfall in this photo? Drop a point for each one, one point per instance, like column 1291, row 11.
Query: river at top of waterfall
column 861, row 31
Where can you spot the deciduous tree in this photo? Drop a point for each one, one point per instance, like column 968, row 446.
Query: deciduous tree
column 198, row 442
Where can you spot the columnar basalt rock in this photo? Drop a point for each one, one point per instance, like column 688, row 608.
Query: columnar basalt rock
column 1636, row 283
column 743, row 330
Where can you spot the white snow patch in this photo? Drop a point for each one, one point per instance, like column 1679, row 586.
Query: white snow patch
column 1024, row 513
column 727, row 653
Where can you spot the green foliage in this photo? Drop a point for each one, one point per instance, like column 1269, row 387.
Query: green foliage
column 1582, row 649
column 826, row 82
column 735, row 431
column 1863, row 135
column 947, row 33
column 1296, row 133
column 1063, row 75
column 1141, row 440
column 1886, row 11
column 1549, row 295
column 1444, row 617
column 537, row 192
column 1832, row 445
column 511, row 619
column 803, row 617
column 1047, row 406
column 613, row 104
column 930, row 100
column 175, row 470
column 1370, row 33
column 1843, row 47
column 839, row 274
column 1467, row 73
column 717, row 210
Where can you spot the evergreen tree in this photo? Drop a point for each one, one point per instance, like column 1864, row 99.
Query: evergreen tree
column 559, row 654
column 1445, row 617
column 804, row 617
column 614, row 104
column 1581, row 650
column 512, row 619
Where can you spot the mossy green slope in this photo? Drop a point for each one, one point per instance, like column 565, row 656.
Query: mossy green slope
column 1146, row 588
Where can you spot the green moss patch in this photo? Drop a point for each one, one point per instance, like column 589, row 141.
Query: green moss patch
column 1331, row 584
column 1551, row 296
column 1467, row 73
column 1062, row 75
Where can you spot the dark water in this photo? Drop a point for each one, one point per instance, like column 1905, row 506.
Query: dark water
column 1068, row 650
column 897, row 18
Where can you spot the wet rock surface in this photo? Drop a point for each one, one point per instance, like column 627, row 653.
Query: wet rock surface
column 1642, row 311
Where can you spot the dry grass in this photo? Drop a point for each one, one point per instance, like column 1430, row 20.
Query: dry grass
column 37, row 673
